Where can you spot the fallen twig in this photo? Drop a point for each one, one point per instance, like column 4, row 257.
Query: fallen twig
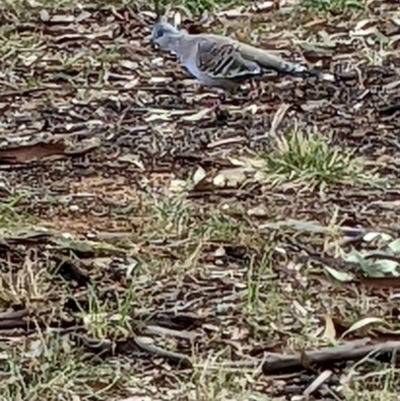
column 146, row 344
column 274, row 362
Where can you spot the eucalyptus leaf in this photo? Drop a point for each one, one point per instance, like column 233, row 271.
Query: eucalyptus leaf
column 339, row 275
column 387, row 266
column 359, row 258
column 368, row 237
column 395, row 245
column 380, row 37
column 363, row 323
column 327, row 40
column 355, row 256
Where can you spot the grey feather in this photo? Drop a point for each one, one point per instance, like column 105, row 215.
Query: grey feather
column 217, row 60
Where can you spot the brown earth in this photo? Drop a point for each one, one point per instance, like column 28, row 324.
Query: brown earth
column 94, row 132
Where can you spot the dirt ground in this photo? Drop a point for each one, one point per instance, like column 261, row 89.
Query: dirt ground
column 150, row 245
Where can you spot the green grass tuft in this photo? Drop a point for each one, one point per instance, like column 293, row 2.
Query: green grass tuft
column 336, row 6
column 197, row 7
column 309, row 157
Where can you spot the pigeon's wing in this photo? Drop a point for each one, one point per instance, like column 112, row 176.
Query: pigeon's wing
column 222, row 60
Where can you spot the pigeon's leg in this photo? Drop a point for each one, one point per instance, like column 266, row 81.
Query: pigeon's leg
column 209, row 100
column 255, row 89
column 213, row 102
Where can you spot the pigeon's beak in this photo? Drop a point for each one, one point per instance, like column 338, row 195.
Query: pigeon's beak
column 148, row 39
column 153, row 43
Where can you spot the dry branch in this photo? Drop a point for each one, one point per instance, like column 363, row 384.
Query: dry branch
column 274, row 362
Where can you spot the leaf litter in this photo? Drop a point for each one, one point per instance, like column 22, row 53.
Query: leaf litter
column 155, row 236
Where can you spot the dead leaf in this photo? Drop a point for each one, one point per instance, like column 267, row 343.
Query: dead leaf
column 44, row 15
column 177, row 19
column 82, row 16
column 263, row 6
column 156, row 115
column 330, row 331
column 27, row 153
column 278, row 117
column 132, row 159
column 232, row 13
column 363, row 24
column 230, row 177
column 62, row 18
column 370, row 236
column 199, row 176
column 178, row 186
column 363, row 323
column 321, row 379
column 339, row 275
column 395, row 245
column 159, row 80
column 197, row 116
column 258, row 211
column 129, row 65
column 363, row 32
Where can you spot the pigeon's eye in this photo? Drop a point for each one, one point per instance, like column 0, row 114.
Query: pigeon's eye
column 157, row 33
column 160, row 33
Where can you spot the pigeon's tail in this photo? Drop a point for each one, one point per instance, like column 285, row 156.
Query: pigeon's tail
column 269, row 61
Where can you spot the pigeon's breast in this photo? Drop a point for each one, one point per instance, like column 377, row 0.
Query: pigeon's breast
column 191, row 66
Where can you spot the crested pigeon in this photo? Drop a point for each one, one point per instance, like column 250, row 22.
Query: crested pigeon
column 220, row 61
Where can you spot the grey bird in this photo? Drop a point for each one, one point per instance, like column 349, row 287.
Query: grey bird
column 220, row 61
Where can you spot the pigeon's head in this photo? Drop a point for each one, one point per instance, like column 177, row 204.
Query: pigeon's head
column 162, row 33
